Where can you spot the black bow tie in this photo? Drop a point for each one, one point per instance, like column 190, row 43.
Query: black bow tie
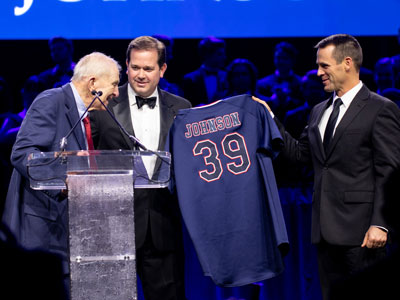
column 151, row 102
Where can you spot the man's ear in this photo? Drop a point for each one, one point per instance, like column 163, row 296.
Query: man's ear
column 91, row 84
column 163, row 69
column 348, row 63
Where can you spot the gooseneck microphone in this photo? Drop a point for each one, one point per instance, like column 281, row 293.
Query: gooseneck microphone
column 134, row 139
column 63, row 142
column 97, row 94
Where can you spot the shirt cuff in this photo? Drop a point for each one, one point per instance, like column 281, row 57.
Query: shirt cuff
column 272, row 114
column 381, row 227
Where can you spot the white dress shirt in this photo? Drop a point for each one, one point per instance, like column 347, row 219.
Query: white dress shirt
column 146, row 125
column 347, row 98
column 81, row 109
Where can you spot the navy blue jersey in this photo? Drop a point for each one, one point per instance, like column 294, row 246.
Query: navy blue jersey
column 221, row 161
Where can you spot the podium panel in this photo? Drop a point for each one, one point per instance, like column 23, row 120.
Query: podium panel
column 101, row 236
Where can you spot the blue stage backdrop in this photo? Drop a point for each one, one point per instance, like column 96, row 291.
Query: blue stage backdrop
column 124, row 19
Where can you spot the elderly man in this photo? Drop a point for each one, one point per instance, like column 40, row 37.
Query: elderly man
column 38, row 219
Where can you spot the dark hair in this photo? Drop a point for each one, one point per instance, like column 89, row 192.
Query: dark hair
column 59, row 39
column 345, row 46
column 311, row 75
column 287, row 48
column 250, row 67
column 209, row 45
column 147, row 43
column 385, row 62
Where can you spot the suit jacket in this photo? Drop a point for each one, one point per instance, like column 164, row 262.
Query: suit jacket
column 38, row 219
column 351, row 177
column 156, row 209
column 194, row 87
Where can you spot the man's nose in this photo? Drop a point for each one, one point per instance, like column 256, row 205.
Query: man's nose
column 141, row 73
column 320, row 72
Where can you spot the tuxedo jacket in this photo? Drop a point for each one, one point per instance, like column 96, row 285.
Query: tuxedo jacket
column 194, row 87
column 155, row 210
column 350, row 179
column 38, row 219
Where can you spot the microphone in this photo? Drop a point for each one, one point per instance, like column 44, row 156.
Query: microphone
column 63, row 142
column 97, row 93
column 134, row 139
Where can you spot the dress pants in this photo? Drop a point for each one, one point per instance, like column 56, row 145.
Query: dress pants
column 338, row 263
column 161, row 272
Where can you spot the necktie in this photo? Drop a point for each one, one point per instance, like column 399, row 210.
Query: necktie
column 88, row 130
column 331, row 123
column 151, row 102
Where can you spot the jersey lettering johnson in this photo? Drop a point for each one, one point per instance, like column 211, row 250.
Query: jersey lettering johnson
column 212, row 125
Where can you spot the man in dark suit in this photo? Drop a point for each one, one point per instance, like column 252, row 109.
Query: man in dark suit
column 147, row 112
column 209, row 82
column 38, row 219
column 353, row 142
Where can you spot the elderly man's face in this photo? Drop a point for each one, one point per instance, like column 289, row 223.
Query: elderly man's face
column 108, row 85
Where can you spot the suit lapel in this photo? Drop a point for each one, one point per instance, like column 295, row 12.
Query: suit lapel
column 355, row 107
column 316, row 135
column 73, row 116
column 122, row 113
column 167, row 114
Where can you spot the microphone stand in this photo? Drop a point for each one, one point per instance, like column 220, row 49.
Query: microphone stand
column 97, row 94
column 131, row 137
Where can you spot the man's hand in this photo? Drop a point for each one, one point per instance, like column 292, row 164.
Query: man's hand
column 375, row 238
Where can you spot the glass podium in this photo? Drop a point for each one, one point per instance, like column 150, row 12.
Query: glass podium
column 100, row 188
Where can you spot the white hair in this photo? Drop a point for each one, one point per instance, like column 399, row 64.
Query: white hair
column 94, row 64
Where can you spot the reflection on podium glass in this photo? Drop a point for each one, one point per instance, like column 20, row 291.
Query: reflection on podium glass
column 49, row 170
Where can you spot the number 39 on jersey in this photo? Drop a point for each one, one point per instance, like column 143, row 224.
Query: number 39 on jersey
column 233, row 146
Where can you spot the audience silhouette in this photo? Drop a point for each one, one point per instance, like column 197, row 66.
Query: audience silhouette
column 208, row 83
column 384, row 76
column 241, row 77
column 284, row 59
column 61, row 51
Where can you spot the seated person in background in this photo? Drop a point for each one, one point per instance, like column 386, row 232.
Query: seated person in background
column 367, row 76
column 384, row 74
column 165, row 84
column 242, row 77
column 284, row 59
column 396, row 68
column 10, row 126
column 295, row 120
column 282, row 99
column 208, row 83
column 392, row 94
column 61, row 51
column 313, row 93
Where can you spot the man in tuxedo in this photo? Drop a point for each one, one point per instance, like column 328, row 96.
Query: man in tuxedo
column 353, row 142
column 209, row 82
column 147, row 112
column 38, row 219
